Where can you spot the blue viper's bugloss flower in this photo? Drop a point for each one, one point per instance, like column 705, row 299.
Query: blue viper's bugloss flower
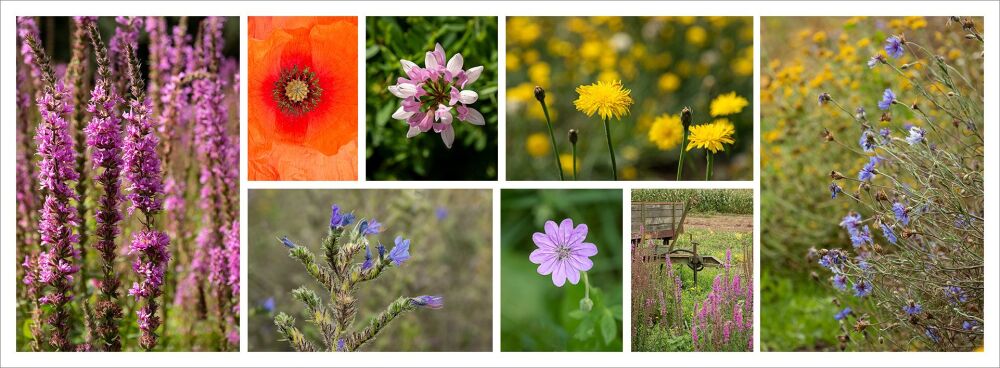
column 916, row 135
column 400, row 252
column 428, row 301
column 287, row 243
column 370, row 227
column 887, row 99
column 862, row 288
column 894, row 47
column 381, row 250
column 901, row 214
column 368, row 257
column 912, row 308
column 867, row 172
column 835, row 189
column 840, row 282
column 338, row 220
column 341, row 345
column 867, row 141
column 842, row 314
column 889, row 235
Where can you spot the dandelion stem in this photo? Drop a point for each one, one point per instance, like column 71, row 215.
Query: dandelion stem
column 573, row 144
column 552, row 135
column 611, row 150
column 680, row 161
column 708, row 169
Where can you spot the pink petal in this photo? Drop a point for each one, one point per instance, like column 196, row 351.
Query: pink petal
column 547, row 267
column 455, row 64
column 580, row 263
column 577, row 235
column 552, row 230
column 472, row 75
column 585, row 250
column 573, row 275
column 565, row 230
column 474, row 117
column 448, row 136
column 543, row 241
column 559, row 275
column 539, row 256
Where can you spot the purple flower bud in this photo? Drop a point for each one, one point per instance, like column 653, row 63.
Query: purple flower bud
column 428, row 301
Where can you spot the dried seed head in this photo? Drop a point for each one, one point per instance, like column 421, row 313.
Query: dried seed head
column 836, row 175
column 827, row 136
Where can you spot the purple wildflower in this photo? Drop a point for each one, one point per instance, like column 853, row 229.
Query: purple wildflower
column 151, row 246
column 400, row 252
column 860, row 236
column 894, row 46
column 862, row 288
column 912, row 308
column 338, row 220
column 835, row 189
column 868, row 172
column 824, row 98
column 955, row 295
column 885, row 134
column 371, row 227
column 840, row 282
column 888, row 98
column 142, row 163
column 368, row 257
column 288, row 243
column 341, row 345
column 932, row 333
column 867, row 141
column 887, row 232
column 441, row 213
column 901, row 213
column 842, row 314
column 428, row 301
column 916, row 135
column 875, row 60
column 562, row 251
column 969, row 325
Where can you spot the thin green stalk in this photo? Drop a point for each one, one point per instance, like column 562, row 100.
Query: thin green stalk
column 611, row 150
column 552, row 135
column 680, row 161
column 574, row 160
column 708, row 170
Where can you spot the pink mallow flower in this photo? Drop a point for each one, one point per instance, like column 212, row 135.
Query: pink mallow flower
column 562, row 252
column 433, row 96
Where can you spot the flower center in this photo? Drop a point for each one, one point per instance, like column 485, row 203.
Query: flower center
column 297, row 90
column 562, row 252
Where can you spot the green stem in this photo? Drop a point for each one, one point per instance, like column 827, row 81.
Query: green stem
column 552, row 135
column 574, row 160
column 611, row 150
column 708, row 170
column 680, row 162
column 586, row 284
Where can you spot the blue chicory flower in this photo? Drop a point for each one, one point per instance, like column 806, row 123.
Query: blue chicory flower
column 868, row 171
column 867, row 141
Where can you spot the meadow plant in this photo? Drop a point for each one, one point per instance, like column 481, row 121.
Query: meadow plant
column 99, row 143
column 656, row 294
column 341, row 277
column 913, row 275
column 724, row 320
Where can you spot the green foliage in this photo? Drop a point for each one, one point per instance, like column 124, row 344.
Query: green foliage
column 535, row 315
column 450, row 256
column 390, row 155
column 703, row 201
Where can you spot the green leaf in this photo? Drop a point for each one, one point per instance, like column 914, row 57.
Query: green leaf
column 608, row 327
column 585, row 329
column 371, row 51
column 617, row 312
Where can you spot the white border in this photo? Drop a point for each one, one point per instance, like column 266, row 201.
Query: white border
column 8, row 11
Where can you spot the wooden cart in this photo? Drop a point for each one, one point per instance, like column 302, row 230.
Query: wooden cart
column 664, row 222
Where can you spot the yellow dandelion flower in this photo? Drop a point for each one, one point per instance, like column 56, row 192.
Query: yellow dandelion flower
column 728, row 104
column 630, row 173
column 669, row 82
column 566, row 161
column 711, row 136
column 537, row 145
column 666, row 132
column 696, row 36
column 606, row 99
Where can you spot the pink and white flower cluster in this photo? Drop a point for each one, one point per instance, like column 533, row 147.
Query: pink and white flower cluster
column 435, row 94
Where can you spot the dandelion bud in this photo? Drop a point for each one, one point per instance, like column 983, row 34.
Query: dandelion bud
column 572, row 136
column 539, row 94
column 686, row 117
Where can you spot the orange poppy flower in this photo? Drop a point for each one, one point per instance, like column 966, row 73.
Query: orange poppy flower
column 303, row 98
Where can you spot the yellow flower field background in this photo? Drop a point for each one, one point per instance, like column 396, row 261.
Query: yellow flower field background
column 667, row 63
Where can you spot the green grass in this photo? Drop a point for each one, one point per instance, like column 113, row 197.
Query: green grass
column 812, row 328
column 703, row 201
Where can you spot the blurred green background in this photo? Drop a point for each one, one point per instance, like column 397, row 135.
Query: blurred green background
column 451, row 256
column 667, row 62
column 390, row 155
column 535, row 315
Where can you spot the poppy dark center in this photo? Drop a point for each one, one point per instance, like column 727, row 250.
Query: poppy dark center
column 297, row 91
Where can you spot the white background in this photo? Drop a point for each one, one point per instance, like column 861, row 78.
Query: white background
column 500, row 8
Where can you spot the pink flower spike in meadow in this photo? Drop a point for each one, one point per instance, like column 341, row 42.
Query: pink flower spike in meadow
column 434, row 95
column 562, row 252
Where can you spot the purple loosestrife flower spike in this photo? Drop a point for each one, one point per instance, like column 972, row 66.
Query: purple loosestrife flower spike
column 104, row 137
column 428, row 301
column 888, row 98
column 400, row 252
column 894, row 46
column 56, row 171
column 562, row 251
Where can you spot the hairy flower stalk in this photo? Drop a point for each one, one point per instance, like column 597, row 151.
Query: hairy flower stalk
column 56, row 262
column 142, row 168
column 104, row 137
column 74, row 80
column 342, row 277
